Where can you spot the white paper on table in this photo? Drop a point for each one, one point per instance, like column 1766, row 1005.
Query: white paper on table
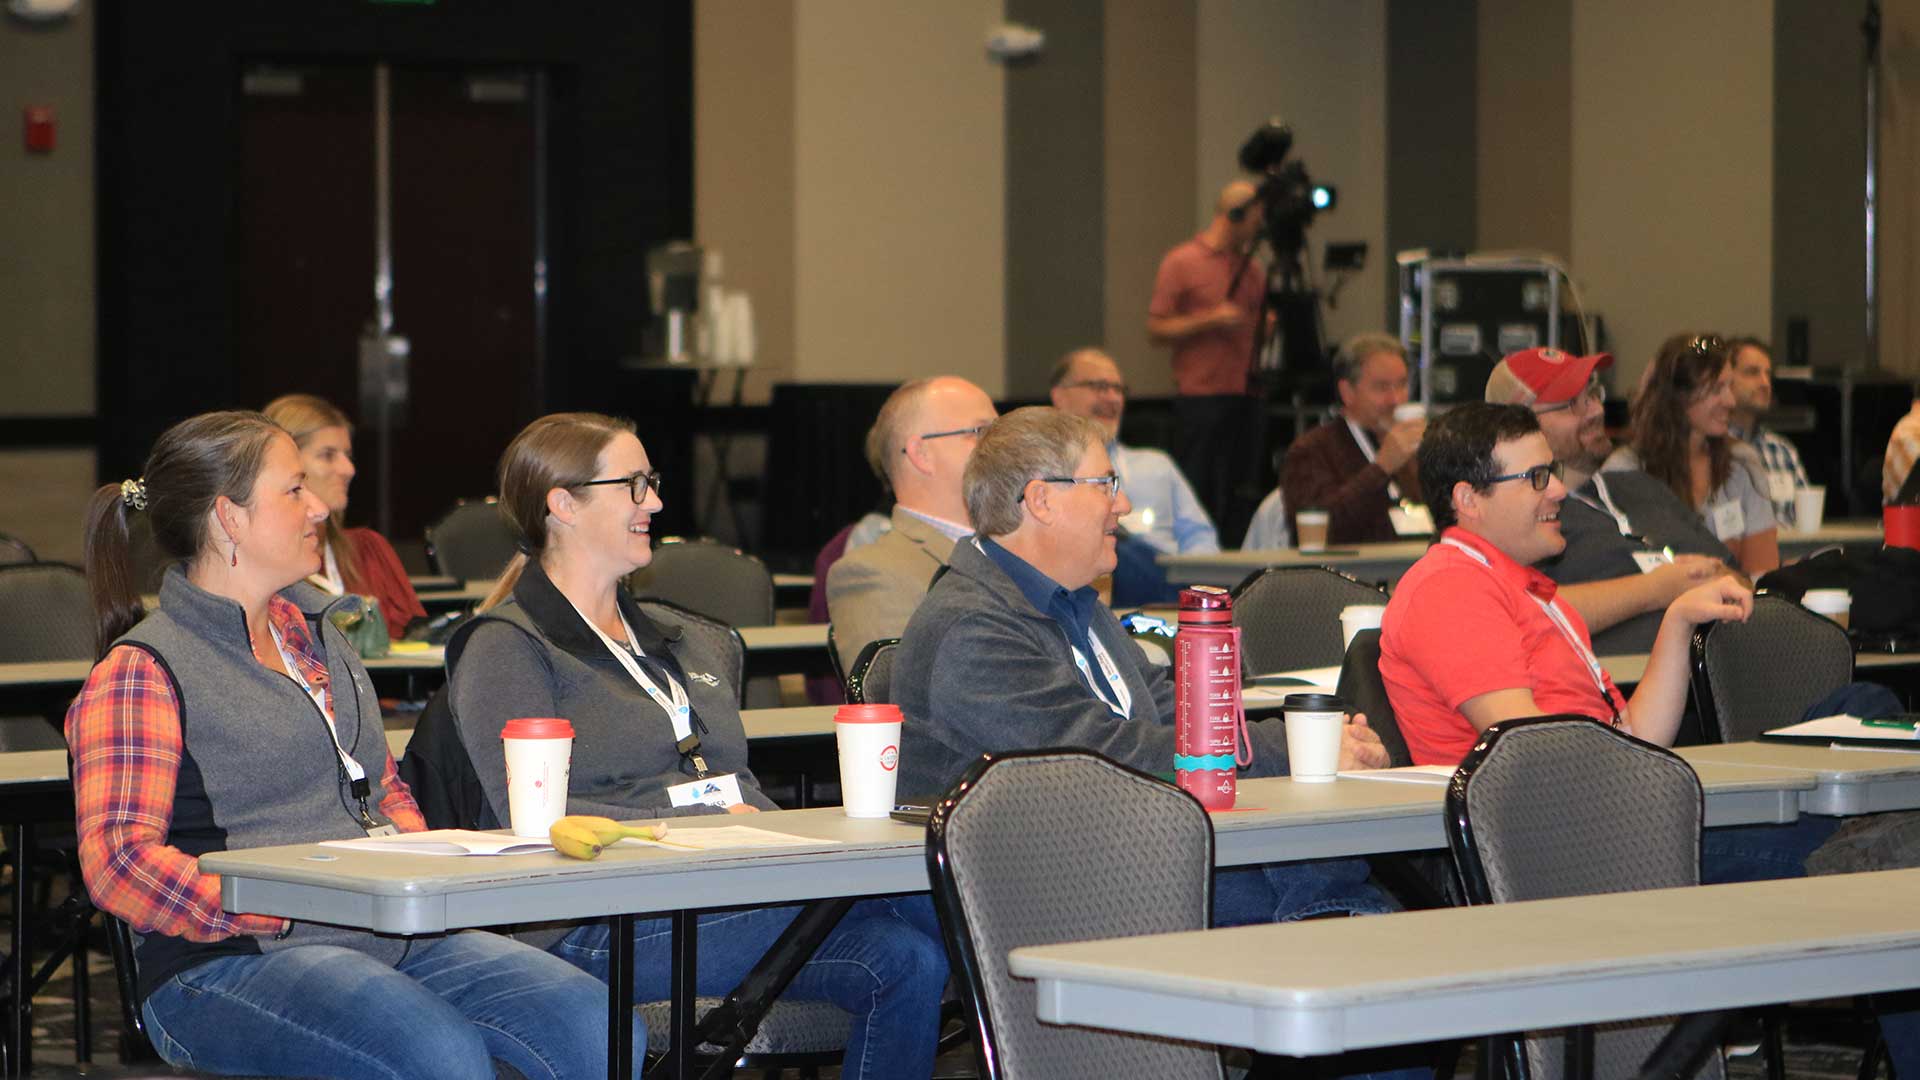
column 1844, row 726
column 445, row 842
column 1406, row 774
column 726, row 837
column 1324, row 680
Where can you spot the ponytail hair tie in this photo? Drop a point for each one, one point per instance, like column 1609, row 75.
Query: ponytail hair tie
column 134, row 493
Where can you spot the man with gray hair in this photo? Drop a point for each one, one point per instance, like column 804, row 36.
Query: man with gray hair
column 1012, row 650
column 918, row 446
column 1359, row 467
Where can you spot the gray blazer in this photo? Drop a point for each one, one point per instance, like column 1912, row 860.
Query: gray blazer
column 873, row 590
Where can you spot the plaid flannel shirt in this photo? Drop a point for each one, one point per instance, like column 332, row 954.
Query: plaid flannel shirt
column 124, row 734
column 1781, row 460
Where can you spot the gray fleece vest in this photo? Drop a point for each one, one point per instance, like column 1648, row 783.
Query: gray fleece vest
column 258, row 765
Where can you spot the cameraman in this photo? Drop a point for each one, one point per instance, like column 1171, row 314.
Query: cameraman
column 1217, row 429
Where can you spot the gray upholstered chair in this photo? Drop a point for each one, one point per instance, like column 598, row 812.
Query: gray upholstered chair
column 49, row 616
column 715, row 638
column 1289, row 616
column 15, row 550
column 718, row 581
column 1046, row 846
column 1566, row 806
column 1763, row 673
column 871, row 681
column 471, row 541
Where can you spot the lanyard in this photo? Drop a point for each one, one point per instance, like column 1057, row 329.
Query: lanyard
column 1610, row 508
column 672, row 701
column 354, row 771
column 1366, row 448
column 1559, row 620
column 1115, row 682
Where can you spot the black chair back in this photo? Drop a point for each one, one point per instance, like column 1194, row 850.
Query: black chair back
column 719, row 643
column 1762, row 674
column 1289, row 616
column 472, row 541
column 872, row 678
column 1362, row 687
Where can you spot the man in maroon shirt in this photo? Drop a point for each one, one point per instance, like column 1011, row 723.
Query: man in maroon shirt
column 1359, row 467
column 1206, row 299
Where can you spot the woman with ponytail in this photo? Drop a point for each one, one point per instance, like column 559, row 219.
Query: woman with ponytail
column 357, row 561
column 238, row 716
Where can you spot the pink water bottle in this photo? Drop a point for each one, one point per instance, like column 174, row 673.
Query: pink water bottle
column 1209, row 721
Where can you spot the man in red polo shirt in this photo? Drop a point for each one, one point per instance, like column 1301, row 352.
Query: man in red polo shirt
column 1475, row 635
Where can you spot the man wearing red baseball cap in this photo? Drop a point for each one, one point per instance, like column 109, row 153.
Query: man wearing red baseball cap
column 1632, row 547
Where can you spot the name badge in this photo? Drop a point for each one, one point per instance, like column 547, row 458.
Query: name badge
column 1728, row 521
column 1411, row 519
column 721, row 790
column 383, row 830
column 1650, row 561
column 1780, row 487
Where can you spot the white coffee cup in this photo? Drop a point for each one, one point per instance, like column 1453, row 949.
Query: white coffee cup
column 1809, row 506
column 539, row 751
column 1409, row 410
column 1835, row 604
column 1357, row 617
column 869, row 741
column 1314, row 723
column 1310, row 527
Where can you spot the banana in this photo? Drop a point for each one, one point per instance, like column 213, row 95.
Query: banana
column 599, row 832
column 573, row 840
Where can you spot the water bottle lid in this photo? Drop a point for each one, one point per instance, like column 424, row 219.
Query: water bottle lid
column 1205, row 604
column 1315, row 703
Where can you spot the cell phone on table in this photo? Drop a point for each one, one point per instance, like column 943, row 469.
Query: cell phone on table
column 912, row 814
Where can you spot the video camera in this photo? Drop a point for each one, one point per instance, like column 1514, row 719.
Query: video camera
column 1288, row 195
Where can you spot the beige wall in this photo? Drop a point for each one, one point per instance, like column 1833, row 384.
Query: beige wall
column 1321, row 67
column 899, row 207
column 1150, row 140
column 1524, row 129
column 46, row 231
column 1673, row 167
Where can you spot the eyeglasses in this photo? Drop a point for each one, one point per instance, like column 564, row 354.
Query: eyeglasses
column 1111, row 480
column 1098, row 386
column 637, row 484
column 1539, row 476
column 974, row 431
column 1595, row 392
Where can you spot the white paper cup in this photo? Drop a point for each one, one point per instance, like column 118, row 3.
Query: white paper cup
column 1357, row 617
column 1313, row 724
column 539, row 751
column 1835, row 604
column 869, row 741
column 1411, row 410
column 1809, row 506
column 1311, row 527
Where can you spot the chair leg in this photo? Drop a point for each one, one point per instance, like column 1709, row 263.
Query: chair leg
column 1870, row 1063
column 82, row 989
column 1773, row 1045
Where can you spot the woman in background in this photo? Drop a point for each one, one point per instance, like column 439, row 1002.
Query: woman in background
column 1679, row 436
column 356, row 560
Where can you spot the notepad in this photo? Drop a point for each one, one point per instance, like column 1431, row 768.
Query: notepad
column 725, row 837
column 1406, row 774
column 445, row 842
column 1844, row 729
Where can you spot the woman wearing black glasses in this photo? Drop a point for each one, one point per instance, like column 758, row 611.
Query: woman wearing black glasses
column 1679, row 436
column 655, row 715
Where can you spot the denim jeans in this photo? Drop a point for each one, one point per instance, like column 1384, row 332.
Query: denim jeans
column 451, row 1006
column 884, row 964
column 1285, row 892
column 1762, row 852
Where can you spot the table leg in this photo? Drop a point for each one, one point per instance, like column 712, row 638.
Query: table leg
column 679, row 1059
column 20, row 1020
column 620, row 997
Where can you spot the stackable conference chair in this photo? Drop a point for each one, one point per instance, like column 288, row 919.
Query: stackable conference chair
column 1761, row 674
column 471, row 541
column 718, row 581
column 1289, row 616
column 1361, row 687
column 715, row 637
column 15, row 550
column 871, row 682
column 49, row 616
column 1047, row 846
column 1565, row 806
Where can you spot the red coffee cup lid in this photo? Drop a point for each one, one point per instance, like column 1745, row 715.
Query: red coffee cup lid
column 867, row 714
column 537, row 727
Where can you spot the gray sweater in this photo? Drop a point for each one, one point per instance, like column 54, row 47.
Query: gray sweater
column 981, row 669
column 535, row 656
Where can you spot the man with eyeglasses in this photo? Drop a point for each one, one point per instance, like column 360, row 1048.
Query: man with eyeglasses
column 1631, row 545
column 1359, row 466
column 918, row 447
column 1167, row 517
column 1475, row 634
column 1013, row 650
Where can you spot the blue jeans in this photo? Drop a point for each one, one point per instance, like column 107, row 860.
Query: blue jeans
column 1286, row 892
column 884, row 964
column 451, row 1006
column 1762, row 852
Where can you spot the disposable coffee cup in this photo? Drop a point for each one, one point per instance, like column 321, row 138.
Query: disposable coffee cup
column 1835, row 604
column 1411, row 410
column 1311, row 527
column 869, row 741
column 539, row 750
column 1357, row 617
column 1809, row 506
column 1314, row 722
